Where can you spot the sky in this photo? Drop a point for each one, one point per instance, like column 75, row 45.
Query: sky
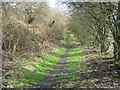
column 55, row 4
column 52, row 3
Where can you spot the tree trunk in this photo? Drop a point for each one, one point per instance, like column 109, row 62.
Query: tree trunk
column 118, row 36
column 117, row 43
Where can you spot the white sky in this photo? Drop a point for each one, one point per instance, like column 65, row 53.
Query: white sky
column 53, row 3
column 56, row 4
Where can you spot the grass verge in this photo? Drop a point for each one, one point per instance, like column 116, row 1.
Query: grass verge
column 31, row 71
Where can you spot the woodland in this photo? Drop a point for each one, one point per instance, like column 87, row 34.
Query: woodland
column 44, row 47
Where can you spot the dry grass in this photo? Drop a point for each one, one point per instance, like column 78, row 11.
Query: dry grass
column 22, row 41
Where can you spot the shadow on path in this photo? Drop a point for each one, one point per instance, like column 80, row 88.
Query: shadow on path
column 49, row 80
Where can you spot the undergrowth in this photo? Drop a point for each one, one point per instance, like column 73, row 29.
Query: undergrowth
column 35, row 70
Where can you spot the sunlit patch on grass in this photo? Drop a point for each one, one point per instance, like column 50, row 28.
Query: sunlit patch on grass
column 63, row 42
column 75, row 62
column 34, row 70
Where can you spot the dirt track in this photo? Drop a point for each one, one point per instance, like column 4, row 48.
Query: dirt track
column 49, row 80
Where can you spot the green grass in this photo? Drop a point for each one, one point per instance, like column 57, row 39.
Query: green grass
column 72, row 40
column 35, row 70
column 63, row 42
column 75, row 62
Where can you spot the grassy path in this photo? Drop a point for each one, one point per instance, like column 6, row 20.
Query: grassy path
column 62, row 74
column 68, row 78
column 54, row 70
column 66, row 67
column 49, row 80
column 31, row 71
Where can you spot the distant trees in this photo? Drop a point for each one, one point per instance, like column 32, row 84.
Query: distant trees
column 97, row 24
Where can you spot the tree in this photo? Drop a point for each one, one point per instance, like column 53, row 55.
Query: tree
column 100, row 18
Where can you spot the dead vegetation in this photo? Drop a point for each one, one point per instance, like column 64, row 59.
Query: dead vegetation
column 24, row 38
column 100, row 71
